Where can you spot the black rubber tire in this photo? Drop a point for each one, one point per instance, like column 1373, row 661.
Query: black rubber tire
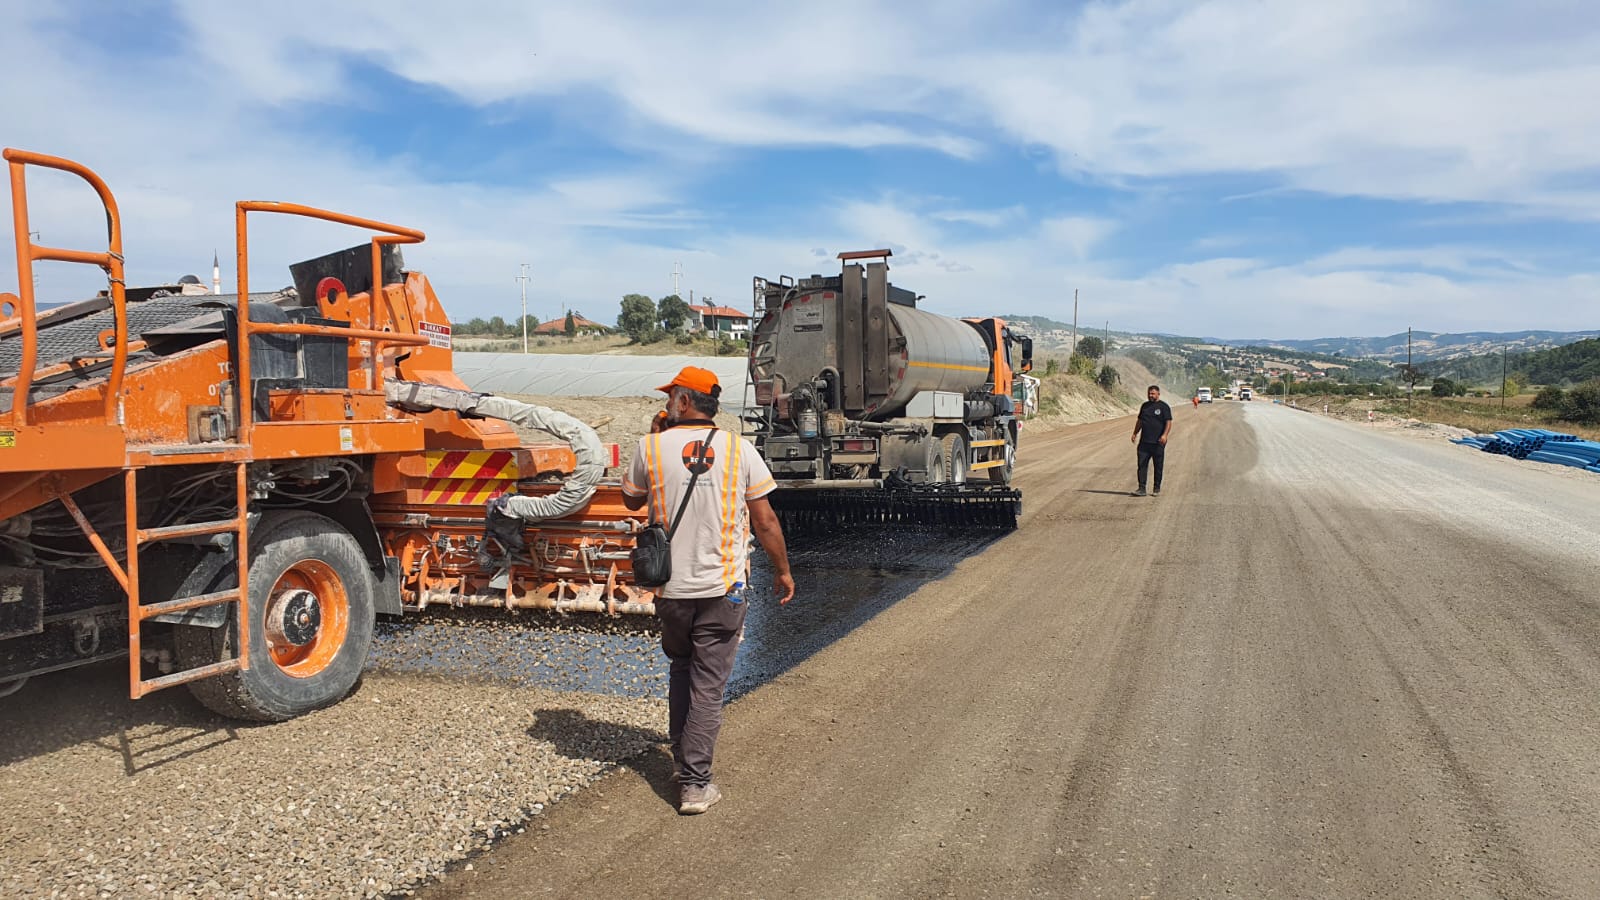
column 265, row 693
column 953, row 447
column 933, row 455
column 1001, row 475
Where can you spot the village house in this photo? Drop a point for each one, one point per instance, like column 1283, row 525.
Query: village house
column 720, row 319
column 558, row 326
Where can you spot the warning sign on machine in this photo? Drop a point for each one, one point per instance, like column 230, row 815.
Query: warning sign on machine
column 438, row 335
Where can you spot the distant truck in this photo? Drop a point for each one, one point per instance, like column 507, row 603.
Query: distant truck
column 1246, row 394
column 1204, row 395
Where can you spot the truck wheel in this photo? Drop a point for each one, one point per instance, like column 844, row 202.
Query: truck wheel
column 1002, row 474
column 954, row 448
column 311, row 603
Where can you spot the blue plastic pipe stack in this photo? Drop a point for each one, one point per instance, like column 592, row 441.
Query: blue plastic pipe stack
column 1539, row 445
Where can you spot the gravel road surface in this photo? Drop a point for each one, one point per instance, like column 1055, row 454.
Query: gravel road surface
column 100, row 796
column 1327, row 662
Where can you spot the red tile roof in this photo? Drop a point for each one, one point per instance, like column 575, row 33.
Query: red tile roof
column 558, row 325
column 726, row 312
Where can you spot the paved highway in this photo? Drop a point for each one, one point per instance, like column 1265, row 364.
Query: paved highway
column 1328, row 662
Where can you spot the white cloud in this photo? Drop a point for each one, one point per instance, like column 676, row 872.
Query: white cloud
column 1077, row 235
column 1424, row 101
column 982, row 218
column 1433, row 100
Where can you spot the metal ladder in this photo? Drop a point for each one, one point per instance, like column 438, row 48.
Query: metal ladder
column 128, row 576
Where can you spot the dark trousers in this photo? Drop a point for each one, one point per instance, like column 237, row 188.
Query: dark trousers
column 1151, row 453
column 700, row 638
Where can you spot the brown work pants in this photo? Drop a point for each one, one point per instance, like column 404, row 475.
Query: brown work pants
column 700, row 638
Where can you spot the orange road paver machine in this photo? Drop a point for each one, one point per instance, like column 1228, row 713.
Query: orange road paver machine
column 228, row 494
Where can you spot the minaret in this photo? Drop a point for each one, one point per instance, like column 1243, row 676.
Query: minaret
column 216, row 274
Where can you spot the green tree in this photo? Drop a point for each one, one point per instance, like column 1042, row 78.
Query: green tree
column 1582, row 403
column 1549, row 397
column 1091, row 347
column 474, row 326
column 1051, row 366
column 673, row 312
column 1081, row 365
column 1411, row 375
column 532, row 322
column 638, row 317
column 1108, row 377
column 1513, row 387
column 1443, row 387
column 497, row 326
column 570, row 328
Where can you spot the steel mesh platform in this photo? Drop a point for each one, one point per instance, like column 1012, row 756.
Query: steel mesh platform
column 63, row 338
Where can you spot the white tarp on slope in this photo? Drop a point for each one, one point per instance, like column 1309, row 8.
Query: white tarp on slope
column 591, row 375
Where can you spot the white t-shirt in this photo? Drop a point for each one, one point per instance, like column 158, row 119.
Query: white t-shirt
column 711, row 549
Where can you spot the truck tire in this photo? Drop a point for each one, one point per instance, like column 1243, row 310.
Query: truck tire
column 954, row 449
column 1002, row 474
column 311, row 603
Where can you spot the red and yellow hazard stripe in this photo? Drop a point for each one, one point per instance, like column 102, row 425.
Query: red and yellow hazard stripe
column 468, row 476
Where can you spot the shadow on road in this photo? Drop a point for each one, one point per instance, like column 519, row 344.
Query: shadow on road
column 576, row 736
column 91, row 706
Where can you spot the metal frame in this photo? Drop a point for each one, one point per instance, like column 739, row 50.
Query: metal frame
column 60, row 486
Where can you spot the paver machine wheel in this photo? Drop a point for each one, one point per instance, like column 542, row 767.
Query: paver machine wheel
column 312, row 607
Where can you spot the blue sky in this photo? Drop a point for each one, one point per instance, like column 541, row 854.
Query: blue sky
column 1229, row 168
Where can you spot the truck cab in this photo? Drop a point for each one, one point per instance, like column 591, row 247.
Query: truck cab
column 1204, row 394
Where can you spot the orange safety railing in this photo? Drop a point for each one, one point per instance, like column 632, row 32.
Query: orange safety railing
column 28, row 253
column 393, row 234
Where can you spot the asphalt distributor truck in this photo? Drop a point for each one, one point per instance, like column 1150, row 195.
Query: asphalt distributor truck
column 870, row 411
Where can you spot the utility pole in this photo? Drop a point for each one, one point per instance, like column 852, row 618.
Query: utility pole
column 1411, row 373
column 524, row 279
column 1074, row 324
column 677, row 272
column 1502, row 377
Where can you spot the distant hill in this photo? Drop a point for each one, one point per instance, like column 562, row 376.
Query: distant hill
column 1578, row 361
column 1427, row 345
column 1038, row 323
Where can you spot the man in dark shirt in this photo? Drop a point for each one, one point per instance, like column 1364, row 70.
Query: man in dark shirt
column 1150, row 432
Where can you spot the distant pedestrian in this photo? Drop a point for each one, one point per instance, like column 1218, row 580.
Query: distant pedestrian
column 1150, row 432
column 702, row 607
column 1196, row 399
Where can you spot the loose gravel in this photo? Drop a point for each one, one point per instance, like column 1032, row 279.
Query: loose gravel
column 367, row 798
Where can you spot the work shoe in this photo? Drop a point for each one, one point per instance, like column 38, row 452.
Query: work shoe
column 695, row 799
column 1139, row 493
column 1156, row 492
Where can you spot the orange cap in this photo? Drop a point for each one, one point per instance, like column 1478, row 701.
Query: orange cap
column 695, row 379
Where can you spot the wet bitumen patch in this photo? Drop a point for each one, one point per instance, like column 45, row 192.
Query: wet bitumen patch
column 842, row 579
